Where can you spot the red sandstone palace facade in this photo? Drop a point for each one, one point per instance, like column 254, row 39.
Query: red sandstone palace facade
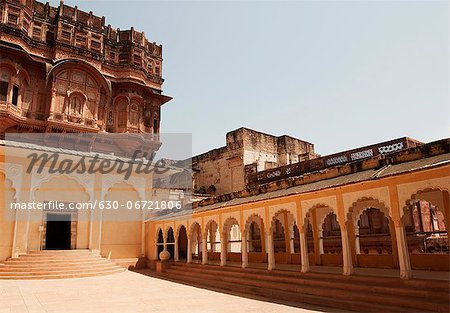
column 65, row 70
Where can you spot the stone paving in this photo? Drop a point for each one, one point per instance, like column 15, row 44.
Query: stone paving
column 123, row 292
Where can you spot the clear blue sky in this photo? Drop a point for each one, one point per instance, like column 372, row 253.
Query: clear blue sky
column 338, row 74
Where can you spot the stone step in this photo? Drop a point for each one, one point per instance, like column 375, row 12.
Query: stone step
column 57, row 264
column 386, row 299
column 51, row 271
column 54, row 264
column 50, row 259
column 65, row 275
column 308, row 281
column 58, row 268
column 286, row 297
column 58, row 256
column 381, row 281
column 53, row 252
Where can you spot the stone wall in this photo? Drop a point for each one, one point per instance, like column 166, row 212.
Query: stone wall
column 223, row 170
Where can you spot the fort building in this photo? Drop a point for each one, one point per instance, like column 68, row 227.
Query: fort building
column 63, row 70
column 247, row 151
column 363, row 229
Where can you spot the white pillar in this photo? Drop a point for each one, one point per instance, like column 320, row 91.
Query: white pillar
column 270, row 252
column 223, row 251
column 189, row 251
column 304, row 252
column 204, row 250
column 346, row 253
column 244, row 250
column 403, row 255
column 291, row 241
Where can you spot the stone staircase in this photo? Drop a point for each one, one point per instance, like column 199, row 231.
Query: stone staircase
column 50, row 264
column 348, row 293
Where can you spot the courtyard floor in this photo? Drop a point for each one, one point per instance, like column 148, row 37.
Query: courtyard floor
column 123, row 292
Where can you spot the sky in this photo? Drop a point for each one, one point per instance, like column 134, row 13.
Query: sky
column 339, row 74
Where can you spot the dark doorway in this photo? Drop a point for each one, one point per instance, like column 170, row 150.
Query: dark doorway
column 171, row 243
column 182, row 244
column 57, row 236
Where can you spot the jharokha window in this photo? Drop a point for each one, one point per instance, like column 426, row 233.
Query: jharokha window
column 76, row 105
column 13, row 18
column 134, row 114
column 3, row 90
column 122, row 116
column 15, row 95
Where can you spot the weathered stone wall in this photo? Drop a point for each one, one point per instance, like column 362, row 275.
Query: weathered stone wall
column 223, row 170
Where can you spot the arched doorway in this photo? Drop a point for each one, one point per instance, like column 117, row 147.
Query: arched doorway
column 330, row 241
column 127, row 221
column 213, row 241
column 256, row 243
column 170, row 243
column 231, row 241
column 182, row 244
column 254, row 232
column 282, row 234
column 196, row 242
column 426, row 226
column 373, row 243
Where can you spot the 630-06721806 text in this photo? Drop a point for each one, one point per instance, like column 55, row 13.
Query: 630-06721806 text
column 102, row 205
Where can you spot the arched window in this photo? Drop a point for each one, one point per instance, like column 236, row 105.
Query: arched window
column 331, row 235
column 122, row 117
column 278, row 237
column 75, row 105
column 373, row 232
column 15, row 95
column 134, row 114
column 4, row 86
column 255, row 238
column 425, row 228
